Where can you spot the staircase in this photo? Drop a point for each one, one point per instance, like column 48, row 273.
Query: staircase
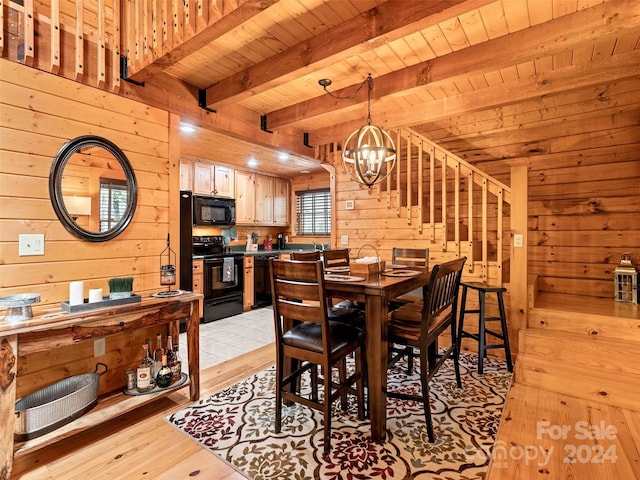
column 457, row 208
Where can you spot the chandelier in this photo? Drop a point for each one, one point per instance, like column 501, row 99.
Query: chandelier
column 368, row 154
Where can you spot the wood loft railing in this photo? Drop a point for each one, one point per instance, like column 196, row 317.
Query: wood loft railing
column 84, row 40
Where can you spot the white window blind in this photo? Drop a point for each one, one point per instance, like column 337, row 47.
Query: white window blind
column 113, row 202
column 313, row 212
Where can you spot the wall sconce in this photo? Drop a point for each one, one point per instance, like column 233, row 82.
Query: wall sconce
column 77, row 206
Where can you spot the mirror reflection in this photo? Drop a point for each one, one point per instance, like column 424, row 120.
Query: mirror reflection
column 93, row 188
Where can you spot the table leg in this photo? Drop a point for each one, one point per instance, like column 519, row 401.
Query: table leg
column 193, row 351
column 377, row 357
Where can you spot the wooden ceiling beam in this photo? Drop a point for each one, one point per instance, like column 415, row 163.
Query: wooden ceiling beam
column 605, row 70
column 245, row 11
column 560, row 35
column 168, row 93
column 387, row 22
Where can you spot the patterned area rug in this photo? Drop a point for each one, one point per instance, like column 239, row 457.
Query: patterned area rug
column 237, row 425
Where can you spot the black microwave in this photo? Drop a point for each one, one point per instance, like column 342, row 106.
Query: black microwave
column 214, row 211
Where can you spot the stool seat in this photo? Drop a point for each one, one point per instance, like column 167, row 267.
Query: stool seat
column 483, row 289
column 483, row 286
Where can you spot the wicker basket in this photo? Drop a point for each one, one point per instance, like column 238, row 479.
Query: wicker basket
column 55, row 405
column 367, row 268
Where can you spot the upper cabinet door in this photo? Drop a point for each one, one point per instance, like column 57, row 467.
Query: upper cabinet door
column 264, row 200
column 224, row 182
column 210, row 179
column 186, row 175
column 280, row 202
column 245, row 198
column 203, row 178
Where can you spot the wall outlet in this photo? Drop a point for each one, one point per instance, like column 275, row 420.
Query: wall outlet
column 32, row 244
column 344, row 239
column 99, row 347
column 518, row 240
column 350, row 204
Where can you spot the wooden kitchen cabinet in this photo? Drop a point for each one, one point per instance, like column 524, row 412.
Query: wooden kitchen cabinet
column 211, row 179
column 198, row 269
column 264, row 200
column 245, row 198
column 261, row 200
column 248, row 283
column 280, row 202
column 186, row 174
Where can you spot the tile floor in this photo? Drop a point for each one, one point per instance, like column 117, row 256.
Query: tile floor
column 232, row 336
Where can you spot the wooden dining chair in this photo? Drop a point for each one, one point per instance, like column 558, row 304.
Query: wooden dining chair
column 411, row 257
column 306, row 339
column 336, row 258
column 418, row 326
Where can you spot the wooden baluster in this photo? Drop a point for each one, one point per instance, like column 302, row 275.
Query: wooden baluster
column 28, row 33
column 470, row 221
column 115, row 50
column 100, row 54
column 79, row 40
column 55, row 37
column 484, row 230
column 420, row 185
column 443, row 217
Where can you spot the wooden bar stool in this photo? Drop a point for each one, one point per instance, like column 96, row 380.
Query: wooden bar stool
column 481, row 336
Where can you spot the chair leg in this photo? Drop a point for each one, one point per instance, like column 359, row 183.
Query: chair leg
column 424, row 375
column 342, row 372
column 505, row 332
column 463, row 306
column 455, row 353
column 314, row 382
column 327, row 411
column 482, row 340
column 360, row 384
column 279, row 373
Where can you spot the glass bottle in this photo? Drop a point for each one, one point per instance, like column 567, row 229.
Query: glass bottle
column 169, row 351
column 176, row 368
column 163, row 378
column 143, row 372
column 157, row 355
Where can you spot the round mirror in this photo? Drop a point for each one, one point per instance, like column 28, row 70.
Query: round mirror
column 93, row 188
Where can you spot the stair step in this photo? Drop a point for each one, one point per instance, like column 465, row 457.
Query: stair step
column 594, row 368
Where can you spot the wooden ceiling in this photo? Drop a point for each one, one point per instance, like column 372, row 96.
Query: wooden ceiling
column 433, row 63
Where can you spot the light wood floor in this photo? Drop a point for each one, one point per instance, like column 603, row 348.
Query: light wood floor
column 142, row 445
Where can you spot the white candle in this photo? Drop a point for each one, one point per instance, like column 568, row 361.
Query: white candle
column 76, row 293
column 95, row 295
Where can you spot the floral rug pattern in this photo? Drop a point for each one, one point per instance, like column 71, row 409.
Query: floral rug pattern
column 237, row 425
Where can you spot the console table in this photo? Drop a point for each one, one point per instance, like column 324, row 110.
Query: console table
column 52, row 327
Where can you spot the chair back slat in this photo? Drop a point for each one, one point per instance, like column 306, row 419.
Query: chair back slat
column 412, row 257
column 442, row 290
column 336, row 258
column 305, row 256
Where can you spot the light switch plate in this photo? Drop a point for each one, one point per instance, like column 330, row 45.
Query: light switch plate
column 31, row 244
column 518, row 240
column 344, row 239
column 350, row 204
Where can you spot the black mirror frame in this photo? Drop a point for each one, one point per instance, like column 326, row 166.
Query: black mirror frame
column 55, row 187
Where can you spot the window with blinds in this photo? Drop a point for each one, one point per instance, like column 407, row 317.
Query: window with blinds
column 113, row 202
column 313, row 212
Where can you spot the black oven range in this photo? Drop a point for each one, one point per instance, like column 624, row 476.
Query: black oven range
column 223, row 282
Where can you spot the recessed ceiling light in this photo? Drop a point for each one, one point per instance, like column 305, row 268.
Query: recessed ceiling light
column 283, row 157
column 252, row 162
column 186, row 128
column 305, row 171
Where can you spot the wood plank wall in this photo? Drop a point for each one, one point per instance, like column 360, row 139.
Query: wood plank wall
column 584, row 178
column 35, row 122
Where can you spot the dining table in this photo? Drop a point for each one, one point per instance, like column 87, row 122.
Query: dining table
column 375, row 291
